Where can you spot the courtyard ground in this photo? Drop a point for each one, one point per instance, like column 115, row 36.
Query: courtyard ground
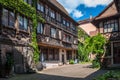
column 66, row 72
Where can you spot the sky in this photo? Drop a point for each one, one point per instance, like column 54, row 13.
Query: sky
column 83, row 9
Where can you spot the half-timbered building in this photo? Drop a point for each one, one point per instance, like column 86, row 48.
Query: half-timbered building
column 57, row 37
column 108, row 24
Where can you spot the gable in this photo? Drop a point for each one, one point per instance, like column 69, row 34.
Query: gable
column 109, row 11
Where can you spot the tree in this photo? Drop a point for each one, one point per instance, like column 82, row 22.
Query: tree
column 95, row 45
column 83, row 52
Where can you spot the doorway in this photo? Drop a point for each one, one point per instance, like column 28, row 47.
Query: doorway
column 9, row 63
column 63, row 60
column 116, row 53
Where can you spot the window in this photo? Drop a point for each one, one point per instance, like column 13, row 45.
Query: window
column 68, row 38
column 69, row 55
column 52, row 14
column 64, row 22
column 40, row 28
column 8, row 18
column 68, row 24
column 23, row 22
column 46, row 10
column 73, row 28
column 58, row 17
column 53, row 54
column 40, row 7
column 64, row 37
column 111, row 26
column 28, row 1
column 53, row 32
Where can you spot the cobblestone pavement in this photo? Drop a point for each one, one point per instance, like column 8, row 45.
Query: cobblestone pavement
column 66, row 72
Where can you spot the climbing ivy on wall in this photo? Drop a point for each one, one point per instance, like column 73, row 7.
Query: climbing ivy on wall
column 29, row 11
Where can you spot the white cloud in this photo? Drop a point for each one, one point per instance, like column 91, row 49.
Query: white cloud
column 77, row 14
column 71, row 5
column 94, row 3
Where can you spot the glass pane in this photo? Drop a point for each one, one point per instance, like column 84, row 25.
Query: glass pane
column 38, row 6
column 21, row 25
column 42, row 8
column 42, row 28
column 112, row 27
column 105, row 28
column 53, row 32
column 11, row 19
column 25, row 24
column 38, row 28
column 116, row 27
column 5, row 17
column 109, row 28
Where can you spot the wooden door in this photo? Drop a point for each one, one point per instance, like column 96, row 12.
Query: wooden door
column 116, row 53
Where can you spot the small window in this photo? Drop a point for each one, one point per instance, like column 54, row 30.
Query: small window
column 40, row 7
column 8, row 18
column 64, row 22
column 11, row 19
column 52, row 13
column 53, row 32
column 5, row 17
column 40, row 28
column 23, row 22
column 68, row 24
column 28, row 1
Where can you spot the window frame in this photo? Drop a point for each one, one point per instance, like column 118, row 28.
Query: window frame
column 9, row 22
column 41, row 28
column 51, row 33
column 23, row 22
column 110, row 24
column 41, row 7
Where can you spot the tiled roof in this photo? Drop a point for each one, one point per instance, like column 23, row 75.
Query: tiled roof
column 109, row 11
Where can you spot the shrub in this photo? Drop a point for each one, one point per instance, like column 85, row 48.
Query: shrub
column 71, row 61
column 95, row 64
column 112, row 75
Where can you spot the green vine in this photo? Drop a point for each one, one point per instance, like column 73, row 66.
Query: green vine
column 29, row 11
